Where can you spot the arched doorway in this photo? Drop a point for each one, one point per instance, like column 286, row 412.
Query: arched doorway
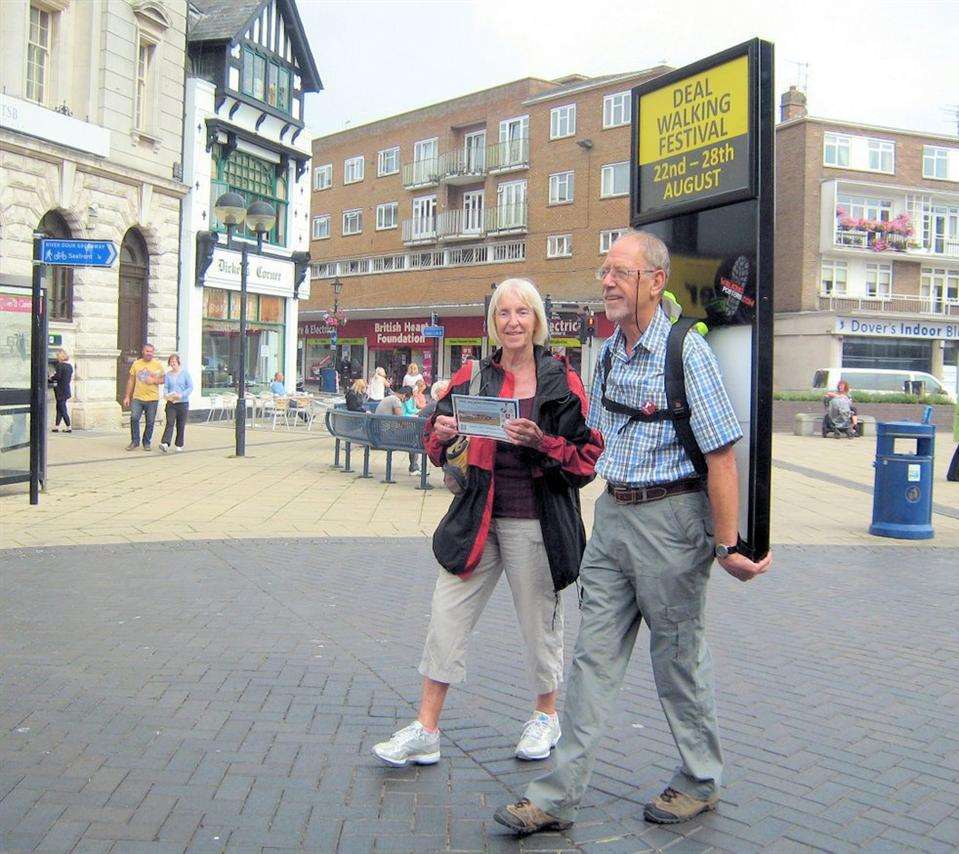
column 132, row 305
column 59, row 280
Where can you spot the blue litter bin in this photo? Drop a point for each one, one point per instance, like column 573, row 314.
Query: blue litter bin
column 902, row 494
column 328, row 379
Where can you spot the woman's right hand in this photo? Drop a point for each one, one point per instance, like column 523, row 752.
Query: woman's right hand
column 445, row 428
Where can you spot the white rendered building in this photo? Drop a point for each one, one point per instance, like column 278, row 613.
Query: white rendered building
column 249, row 69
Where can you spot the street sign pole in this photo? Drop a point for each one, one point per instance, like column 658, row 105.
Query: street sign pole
column 37, row 373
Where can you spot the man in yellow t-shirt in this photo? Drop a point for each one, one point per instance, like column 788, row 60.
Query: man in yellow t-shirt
column 143, row 395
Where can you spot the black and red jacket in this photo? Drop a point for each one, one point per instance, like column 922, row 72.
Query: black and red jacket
column 563, row 465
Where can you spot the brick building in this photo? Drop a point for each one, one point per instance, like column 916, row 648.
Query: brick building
column 421, row 212
column 867, row 248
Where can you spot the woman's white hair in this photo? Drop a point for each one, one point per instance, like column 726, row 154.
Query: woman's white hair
column 526, row 291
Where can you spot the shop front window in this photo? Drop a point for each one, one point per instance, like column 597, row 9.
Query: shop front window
column 265, row 341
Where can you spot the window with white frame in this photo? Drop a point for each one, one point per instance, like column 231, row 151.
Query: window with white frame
column 614, row 180
column 388, row 162
column 353, row 169
column 935, row 162
column 617, row 109
column 352, row 222
column 835, row 149
column 386, row 215
column 878, row 280
column 559, row 246
column 145, row 85
column 863, row 207
column 562, row 121
column 321, row 227
column 323, row 177
column 832, row 277
column 940, row 285
column 39, row 43
column 561, row 188
column 608, row 237
column 881, row 155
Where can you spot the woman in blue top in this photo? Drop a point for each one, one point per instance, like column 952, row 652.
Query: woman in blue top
column 177, row 388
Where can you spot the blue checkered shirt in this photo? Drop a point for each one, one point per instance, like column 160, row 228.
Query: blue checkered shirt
column 642, row 453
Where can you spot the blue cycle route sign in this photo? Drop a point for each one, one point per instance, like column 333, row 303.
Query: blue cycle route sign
column 78, row 253
column 433, row 331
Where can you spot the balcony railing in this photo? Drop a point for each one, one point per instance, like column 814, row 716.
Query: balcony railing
column 461, row 225
column 879, row 241
column 421, row 173
column 506, row 218
column 419, row 230
column 509, row 155
column 462, row 167
column 892, row 303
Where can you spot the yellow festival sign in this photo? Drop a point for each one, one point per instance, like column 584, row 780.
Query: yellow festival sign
column 693, row 138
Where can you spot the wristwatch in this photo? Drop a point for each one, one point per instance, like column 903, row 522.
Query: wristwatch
column 722, row 551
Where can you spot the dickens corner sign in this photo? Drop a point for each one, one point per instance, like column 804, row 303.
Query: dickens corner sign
column 692, row 147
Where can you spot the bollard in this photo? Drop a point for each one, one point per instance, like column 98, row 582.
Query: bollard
column 902, row 491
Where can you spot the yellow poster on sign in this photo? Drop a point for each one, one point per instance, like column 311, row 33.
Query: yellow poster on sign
column 701, row 110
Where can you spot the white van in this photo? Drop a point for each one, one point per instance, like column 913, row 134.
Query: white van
column 878, row 381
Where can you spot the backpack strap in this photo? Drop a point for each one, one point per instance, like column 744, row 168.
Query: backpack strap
column 676, row 400
column 677, row 405
column 622, row 408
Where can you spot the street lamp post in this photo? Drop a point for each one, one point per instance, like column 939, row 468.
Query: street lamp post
column 232, row 211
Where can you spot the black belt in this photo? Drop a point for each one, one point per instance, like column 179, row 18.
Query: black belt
column 644, row 494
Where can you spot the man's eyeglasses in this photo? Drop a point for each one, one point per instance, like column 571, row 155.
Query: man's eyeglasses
column 620, row 274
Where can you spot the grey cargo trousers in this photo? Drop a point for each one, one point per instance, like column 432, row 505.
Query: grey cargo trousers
column 643, row 562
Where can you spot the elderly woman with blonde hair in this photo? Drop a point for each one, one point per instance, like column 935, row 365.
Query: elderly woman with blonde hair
column 519, row 514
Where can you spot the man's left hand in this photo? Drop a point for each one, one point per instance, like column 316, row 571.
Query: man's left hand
column 741, row 567
column 522, row 431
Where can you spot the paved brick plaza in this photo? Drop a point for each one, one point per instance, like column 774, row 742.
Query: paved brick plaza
column 225, row 695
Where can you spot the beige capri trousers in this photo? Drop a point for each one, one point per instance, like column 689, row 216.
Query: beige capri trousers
column 516, row 547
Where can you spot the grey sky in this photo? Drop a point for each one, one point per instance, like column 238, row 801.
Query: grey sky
column 879, row 62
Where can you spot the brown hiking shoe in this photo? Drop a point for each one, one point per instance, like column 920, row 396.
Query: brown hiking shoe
column 672, row 807
column 524, row 818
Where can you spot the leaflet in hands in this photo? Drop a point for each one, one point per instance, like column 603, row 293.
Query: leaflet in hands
column 484, row 416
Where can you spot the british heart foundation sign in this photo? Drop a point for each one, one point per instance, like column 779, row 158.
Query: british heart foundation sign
column 693, row 145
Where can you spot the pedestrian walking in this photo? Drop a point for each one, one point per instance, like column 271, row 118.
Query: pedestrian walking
column 952, row 472
column 379, row 385
column 61, row 380
column 656, row 532
column 143, row 395
column 519, row 515
column 177, row 388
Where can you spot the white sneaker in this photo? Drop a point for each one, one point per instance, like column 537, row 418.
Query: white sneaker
column 410, row 745
column 178, row 449
column 164, row 447
column 540, row 736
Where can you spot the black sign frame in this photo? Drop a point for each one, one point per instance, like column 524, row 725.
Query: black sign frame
column 748, row 49
column 761, row 188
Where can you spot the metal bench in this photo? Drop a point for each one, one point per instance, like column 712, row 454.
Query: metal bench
column 390, row 433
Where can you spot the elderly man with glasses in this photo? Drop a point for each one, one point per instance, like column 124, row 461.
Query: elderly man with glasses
column 657, row 529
